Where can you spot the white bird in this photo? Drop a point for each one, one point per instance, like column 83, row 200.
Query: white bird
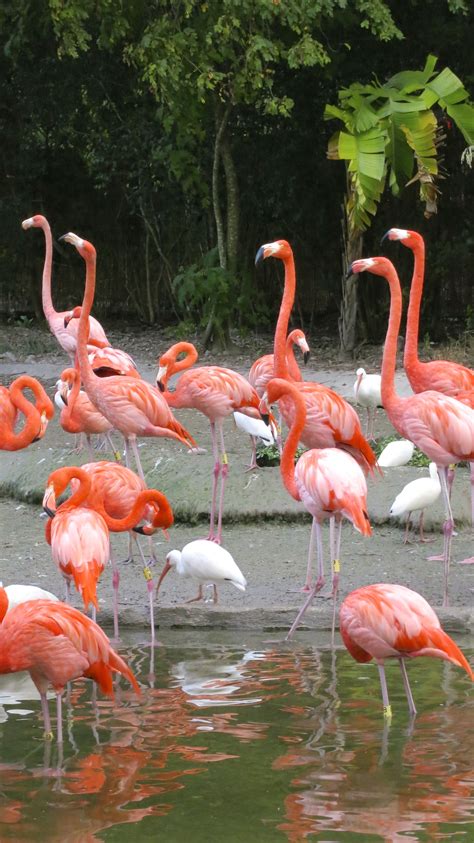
column 367, row 392
column 206, row 562
column 256, row 429
column 418, row 494
column 17, row 594
column 396, row 453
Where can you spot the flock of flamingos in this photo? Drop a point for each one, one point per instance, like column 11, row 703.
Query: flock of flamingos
column 102, row 392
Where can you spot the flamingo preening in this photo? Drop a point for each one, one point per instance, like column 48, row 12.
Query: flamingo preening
column 132, row 406
column 440, row 426
column 330, row 421
column 56, row 643
column 330, row 484
column 384, row 621
column 78, row 413
column 12, row 403
column 214, row 391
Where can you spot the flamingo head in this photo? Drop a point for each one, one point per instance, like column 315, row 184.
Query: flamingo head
column 377, row 266
column 85, row 249
column 407, row 237
column 75, row 313
column 278, row 249
column 300, row 340
column 49, row 500
column 172, row 560
column 37, row 221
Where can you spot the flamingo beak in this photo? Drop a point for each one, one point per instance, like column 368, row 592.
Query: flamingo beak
column 27, row 223
column 163, row 575
column 350, row 271
column 161, row 378
column 306, row 356
column 260, row 256
column 49, row 493
column 43, row 426
column 67, row 319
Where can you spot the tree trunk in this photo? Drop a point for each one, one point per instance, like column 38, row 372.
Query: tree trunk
column 348, row 316
column 221, row 123
column 233, row 205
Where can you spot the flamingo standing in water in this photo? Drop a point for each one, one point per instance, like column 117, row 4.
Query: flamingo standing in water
column 66, row 335
column 328, row 482
column 214, row 391
column 440, row 426
column 131, row 405
column 330, row 421
column 56, row 643
column 78, row 414
column 442, row 375
column 12, row 402
column 385, row 621
column 121, row 500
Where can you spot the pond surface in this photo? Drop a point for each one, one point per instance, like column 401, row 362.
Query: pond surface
column 244, row 741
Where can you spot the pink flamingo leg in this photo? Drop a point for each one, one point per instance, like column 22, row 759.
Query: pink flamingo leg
column 309, row 568
column 94, row 613
column 133, row 442
column 216, row 472
column 387, row 708
column 59, row 716
column 253, row 459
column 448, row 529
column 318, row 584
column 147, row 573
column 90, row 448
column 115, row 586
column 409, row 695
column 46, row 718
column 336, row 567
column 224, row 473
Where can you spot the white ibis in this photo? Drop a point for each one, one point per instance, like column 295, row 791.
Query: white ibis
column 206, row 562
column 396, row 453
column 256, row 429
column 367, row 393
column 418, row 494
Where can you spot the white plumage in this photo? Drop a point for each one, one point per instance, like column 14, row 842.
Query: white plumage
column 418, row 494
column 367, row 393
column 254, row 427
column 396, row 453
column 206, row 562
column 22, row 593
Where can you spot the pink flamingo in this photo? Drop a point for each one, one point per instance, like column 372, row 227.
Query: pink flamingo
column 330, row 421
column 56, row 643
column 440, row 426
column 131, row 405
column 66, row 335
column 121, row 500
column 214, row 391
column 13, row 402
column 104, row 359
column 442, row 375
column 328, row 482
column 385, row 621
column 262, row 371
column 78, row 536
column 78, row 414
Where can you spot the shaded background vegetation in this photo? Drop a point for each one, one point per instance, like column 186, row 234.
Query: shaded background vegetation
column 88, row 140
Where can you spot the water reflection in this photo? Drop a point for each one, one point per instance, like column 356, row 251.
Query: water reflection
column 267, row 743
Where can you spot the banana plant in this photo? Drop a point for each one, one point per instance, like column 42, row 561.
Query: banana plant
column 391, row 137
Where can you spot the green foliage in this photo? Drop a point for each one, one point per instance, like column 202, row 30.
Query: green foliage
column 392, row 131
column 269, row 455
column 205, row 289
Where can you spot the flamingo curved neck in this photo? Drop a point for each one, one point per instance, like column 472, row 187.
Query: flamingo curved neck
column 46, row 299
column 16, row 441
column 89, row 378
column 287, row 461
column 71, row 399
column 389, row 360
column 175, row 365
column 118, row 525
column 293, row 367
column 79, row 496
column 410, row 357
column 281, row 331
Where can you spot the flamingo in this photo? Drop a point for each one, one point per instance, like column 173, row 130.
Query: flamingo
column 329, row 482
column 442, row 375
column 206, row 562
column 214, row 391
column 56, row 643
column 104, row 359
column 440, row 426
column 418, row 494
column 262, row 370
column 121, row 500
column 78, row 414
column 398, row 452
column 384, row 621
column 78, row 536
column 367, row 394
column 256, row 429
column 330, row 421
column 12, row 402
column 131, row 405
column 66, row 335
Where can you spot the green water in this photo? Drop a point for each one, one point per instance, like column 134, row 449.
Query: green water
column 245, row 741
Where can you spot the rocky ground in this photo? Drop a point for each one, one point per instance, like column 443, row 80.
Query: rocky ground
column 265, row 530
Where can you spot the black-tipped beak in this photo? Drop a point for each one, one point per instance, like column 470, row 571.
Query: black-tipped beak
column 260, row 256
column 61, row 238
column 349, row 272
column 160, row 386
column 140, row 530
column 306, row 356
column 265, row 418
column 49, row 512
column 385, row 237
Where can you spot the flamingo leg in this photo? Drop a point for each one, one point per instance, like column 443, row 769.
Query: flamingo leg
column 94, row 613
column 309, row 568
column 387, row 708
column 114, row 450
column 115, row 586
column 148, row 574
column 472, row 493
column 448, row 529
column 336, row 567
column 90, row 448
column 59, row 716
column 215, row 472
column 224, row 473
column 133, row 442
column 253, row 459
column 411, row 704
column 196, row 599
column 48, row 734
column 318, row 584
